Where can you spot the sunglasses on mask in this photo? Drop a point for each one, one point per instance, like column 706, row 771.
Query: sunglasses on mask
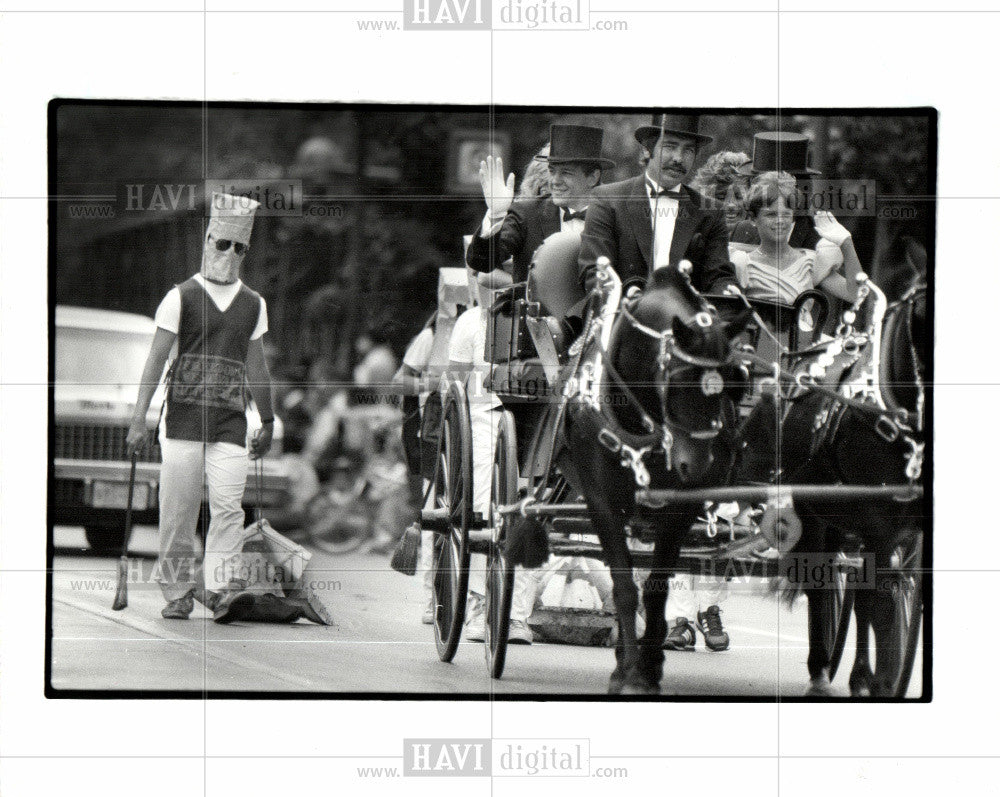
column 222, row 244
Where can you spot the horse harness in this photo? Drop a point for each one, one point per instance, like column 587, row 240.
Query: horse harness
column 826, row 369
column 589, row 389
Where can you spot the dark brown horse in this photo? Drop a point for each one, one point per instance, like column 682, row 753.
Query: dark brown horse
column 827, row 441
column 658, row 410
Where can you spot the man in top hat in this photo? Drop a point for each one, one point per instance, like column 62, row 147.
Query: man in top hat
column 780, row 151
column 655, row 220
column 218, row 324
column 516, row 229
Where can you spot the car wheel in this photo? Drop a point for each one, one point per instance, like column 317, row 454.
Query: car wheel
column 105, row 540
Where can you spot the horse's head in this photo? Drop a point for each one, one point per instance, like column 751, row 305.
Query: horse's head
column 692, row 383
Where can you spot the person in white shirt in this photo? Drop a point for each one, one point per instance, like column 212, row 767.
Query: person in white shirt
column 218, row 324
column 466, row 355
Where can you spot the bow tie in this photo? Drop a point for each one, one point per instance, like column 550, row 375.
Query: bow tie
column 569, row 215
column 655, row 192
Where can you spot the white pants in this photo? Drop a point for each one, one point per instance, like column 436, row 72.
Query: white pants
column 689, row 595
column 187, row 465
column 485, row 425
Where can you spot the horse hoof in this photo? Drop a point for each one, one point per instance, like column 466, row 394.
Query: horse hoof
column 861, row 690
column 820, row 688
column 615, row 685
column 640, row 687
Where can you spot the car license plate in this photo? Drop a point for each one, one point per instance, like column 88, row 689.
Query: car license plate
column 114, row 495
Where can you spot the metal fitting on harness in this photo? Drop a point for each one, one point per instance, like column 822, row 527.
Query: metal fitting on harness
column 886, row 429
column 914, row 459
column 609, row 440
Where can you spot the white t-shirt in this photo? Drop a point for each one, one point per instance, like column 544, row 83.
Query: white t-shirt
column 418, row 353
column 468, row 345
column 168, row 314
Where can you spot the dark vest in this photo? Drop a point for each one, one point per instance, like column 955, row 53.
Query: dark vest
column 207, row 397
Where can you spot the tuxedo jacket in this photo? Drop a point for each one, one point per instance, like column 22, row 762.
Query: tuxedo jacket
column 619, row 226
column 527, row 224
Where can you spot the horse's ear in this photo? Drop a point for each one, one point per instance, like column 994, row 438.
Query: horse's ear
column 685, row 336
column 738, row 324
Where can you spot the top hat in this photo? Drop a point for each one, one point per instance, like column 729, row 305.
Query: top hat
column 678, row 124
column 779, row 152
column 576, row 144
column 231, row 217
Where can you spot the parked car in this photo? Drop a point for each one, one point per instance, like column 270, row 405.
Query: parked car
column 99, row 358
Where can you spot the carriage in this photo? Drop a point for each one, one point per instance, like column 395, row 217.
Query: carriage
column 782, row 351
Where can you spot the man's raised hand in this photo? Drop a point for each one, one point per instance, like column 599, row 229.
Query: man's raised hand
column 497, row 191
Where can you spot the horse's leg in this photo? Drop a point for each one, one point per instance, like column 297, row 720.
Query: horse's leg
column 611, row 531
column 862, row 679
column 821, row 605
column 887, row 647
column 608, row 491
column 654, row 599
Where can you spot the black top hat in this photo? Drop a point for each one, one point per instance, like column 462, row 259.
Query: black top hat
column 677, row 123
column 576, row 144
column 779, row 152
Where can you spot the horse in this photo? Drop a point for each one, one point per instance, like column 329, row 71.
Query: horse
column 656, row 405
column 825, row 440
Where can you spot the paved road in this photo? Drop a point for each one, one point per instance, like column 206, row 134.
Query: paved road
column 377, row 645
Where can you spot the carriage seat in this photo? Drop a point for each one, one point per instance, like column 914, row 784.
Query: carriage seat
column 528, row 333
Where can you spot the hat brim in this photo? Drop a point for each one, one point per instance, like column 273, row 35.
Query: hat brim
column 604, row 162
column 748, row 170
column 646, row 131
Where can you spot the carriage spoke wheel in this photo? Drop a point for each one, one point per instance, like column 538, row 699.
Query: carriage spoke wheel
column 499, row 571
column 906, row 583
column 453, row 491
column 839, row 619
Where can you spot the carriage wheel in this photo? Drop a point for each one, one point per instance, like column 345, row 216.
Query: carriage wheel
column 499, row 571
column 453, row 491
column 907, row 593
column 839, row 621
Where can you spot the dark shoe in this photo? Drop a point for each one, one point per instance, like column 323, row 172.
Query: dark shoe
column 710, row 624
column 233, row 605
column 681, row 636
column 179, row 608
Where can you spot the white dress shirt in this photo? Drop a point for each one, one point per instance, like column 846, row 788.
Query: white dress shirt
column 664, row 211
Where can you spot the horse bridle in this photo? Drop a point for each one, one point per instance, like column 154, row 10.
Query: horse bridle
column 634, row 447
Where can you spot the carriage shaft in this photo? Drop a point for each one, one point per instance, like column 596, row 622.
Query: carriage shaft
column 753, row 493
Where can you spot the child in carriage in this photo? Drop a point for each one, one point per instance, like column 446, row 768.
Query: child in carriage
column 775, row 270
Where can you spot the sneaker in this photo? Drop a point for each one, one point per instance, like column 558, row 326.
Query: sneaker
column 680, row 636
column 475, row 625
column 710, row 624
column 519, row 633
column 179, row 608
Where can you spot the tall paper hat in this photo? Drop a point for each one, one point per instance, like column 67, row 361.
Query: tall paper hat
column 232, row 217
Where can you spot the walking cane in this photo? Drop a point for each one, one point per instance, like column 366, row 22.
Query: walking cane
column 121, row 594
